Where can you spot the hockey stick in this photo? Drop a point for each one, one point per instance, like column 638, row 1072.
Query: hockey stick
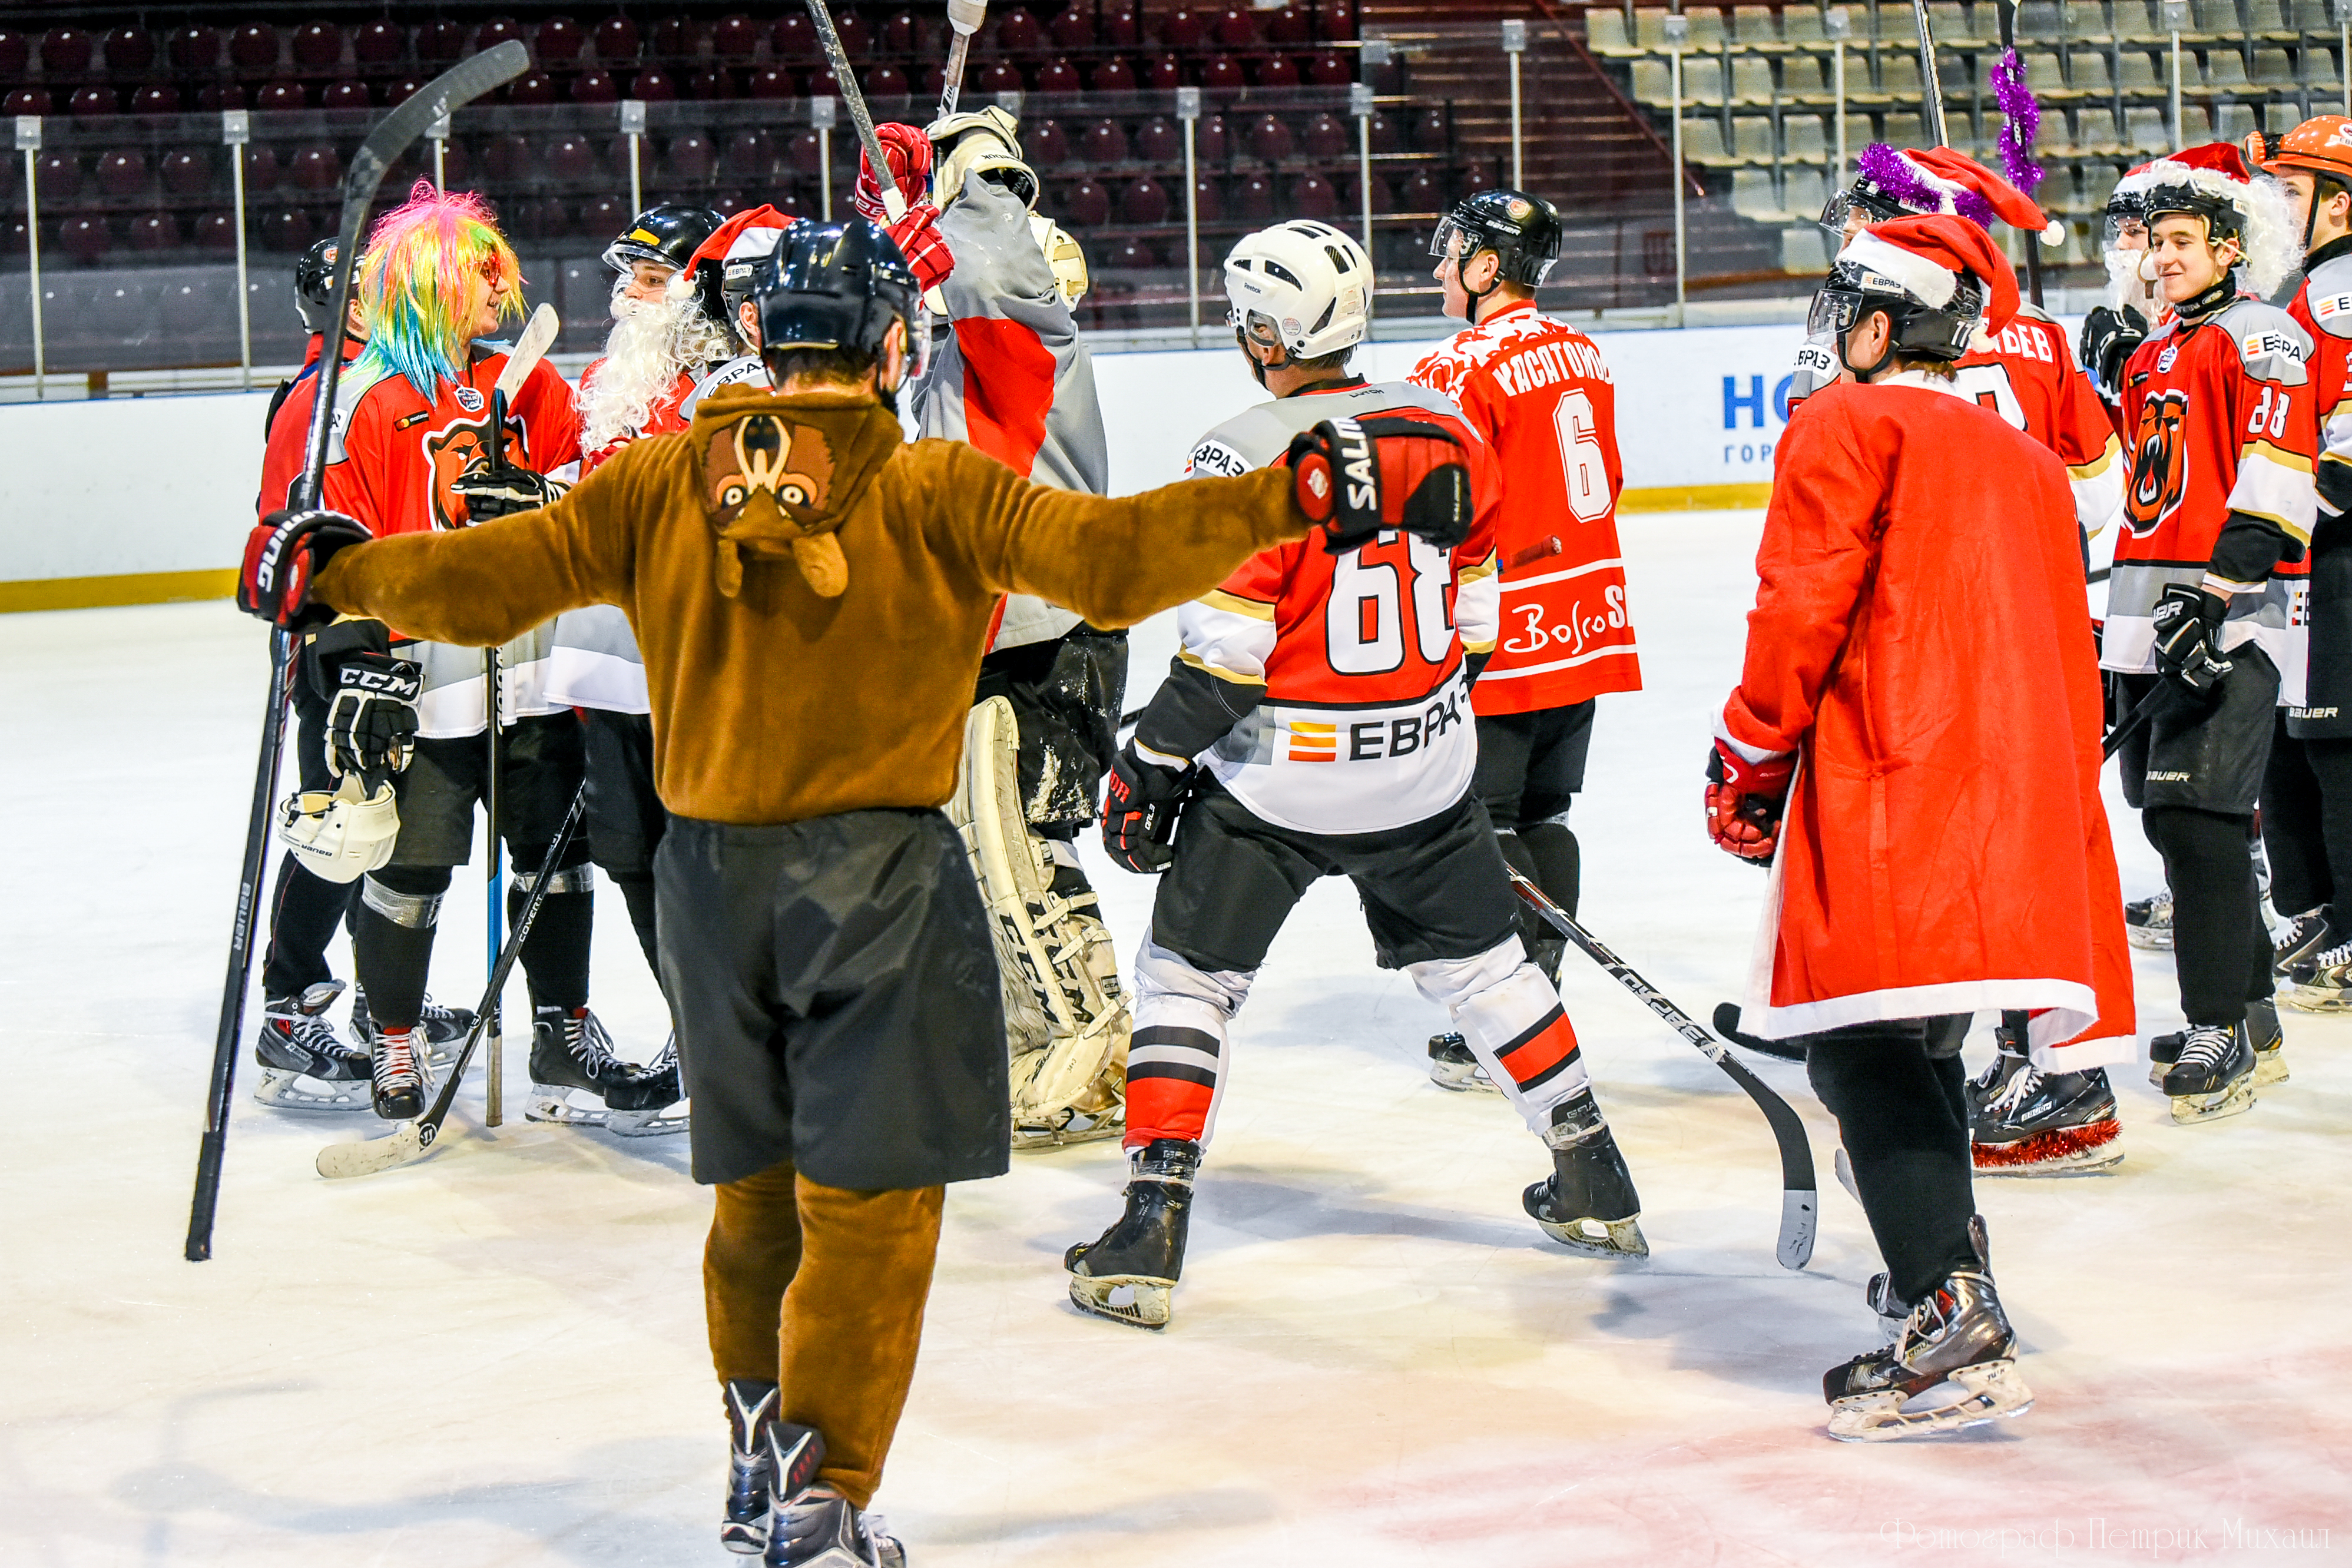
column 414, row 1140
column 1931, row 84
column 2007, row 12
column 965, row 17
column 461, row 84
column 837, row 58
column 1799, row 1202
column 2138, row 719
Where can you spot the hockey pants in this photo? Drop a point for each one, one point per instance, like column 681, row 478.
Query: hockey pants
column 1499, row 1002
column 823, row 1289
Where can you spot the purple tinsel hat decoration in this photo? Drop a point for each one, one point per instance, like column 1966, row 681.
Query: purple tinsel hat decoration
column 2020, row 122
column 1905, row 184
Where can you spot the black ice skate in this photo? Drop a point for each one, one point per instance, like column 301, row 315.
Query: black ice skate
column 397, row 1061
column 2262, row 1029
column 750, row 1410
column 1588, row 1202
column 2059, row 1124
column 305, row 1066
column 2215, row 1075
column 1142, row 1256
column 2007, row 1063
column 2147, row 921
column 1451, row 1065
column 1958, row 1338
column 2322, row 983
column 571, row 1052
column 812, row 1525
column 445, row 1027
column 2306, row 937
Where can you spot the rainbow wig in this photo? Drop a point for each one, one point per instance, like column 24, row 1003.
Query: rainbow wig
column 416, row 281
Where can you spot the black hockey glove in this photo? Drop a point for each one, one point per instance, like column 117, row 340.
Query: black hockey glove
column 283, row 553
column 2188, row 652
column 371, row 722
column 1355, row 477
column 2108, row 338
column 503, row 492
column 1141, row 803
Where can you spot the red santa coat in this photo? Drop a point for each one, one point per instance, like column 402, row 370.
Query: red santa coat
column 1919, row 638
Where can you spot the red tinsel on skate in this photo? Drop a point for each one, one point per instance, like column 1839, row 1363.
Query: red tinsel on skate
column 2055, row 1147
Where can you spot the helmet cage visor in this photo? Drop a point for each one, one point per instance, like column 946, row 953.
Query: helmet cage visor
column 1455, row 240
column 1841, row 206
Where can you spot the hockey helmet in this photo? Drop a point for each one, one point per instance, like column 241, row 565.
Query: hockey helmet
column 986, row 143
column 1524, row 232
column 834, row 285
column 2213, row 182
column 2320, row 147
column 1302, row 286
column 1896, row 181
column 1936, row 277
column 726, row 263
column 666, row 235
column 314, row 283
column 340, row 834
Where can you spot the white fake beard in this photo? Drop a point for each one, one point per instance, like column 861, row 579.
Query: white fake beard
column 2127, row 286
column 653, row 341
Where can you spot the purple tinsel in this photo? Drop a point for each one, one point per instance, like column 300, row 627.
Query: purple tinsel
column 2020, row 122
column 1895, row 176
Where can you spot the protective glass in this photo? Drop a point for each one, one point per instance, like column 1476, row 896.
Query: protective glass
column 2125, row 230
column 1832, row 313
column 1451, row 236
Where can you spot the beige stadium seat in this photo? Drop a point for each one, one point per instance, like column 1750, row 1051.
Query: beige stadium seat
column 2225, row 71
column 1900, row 130
column 1649, row 28
column 1751, row 79
column 2196, row 124
column 2218, row 17
column 1755, row 25
column 1950, row 22
column 2232, row 122
column 2095, row 131
column 1751, row 139
column 2143, row 72
column 1604, row 34
column 2042, row 72
column 1898, row 73
column 1803, row 190
column 1652, row 84
column 1703, row 142
column 1804, row 250
column 1804, row 76
column 2312, row 16
column 1801, row 24
column 2091, row 71
column 2273, row 68
column 1753, row 196
column 2037, row 19
column 1805, row 136
column 2056, row 193
column 1706, row 26
column 2144, row 131
column 2269, row 20
column 1702, row 79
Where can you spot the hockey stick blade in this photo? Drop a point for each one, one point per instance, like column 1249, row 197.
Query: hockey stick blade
column 413, row 1140
column 1799, row 1199
column 538, row 337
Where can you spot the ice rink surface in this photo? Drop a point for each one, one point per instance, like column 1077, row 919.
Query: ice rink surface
column 497, row 1356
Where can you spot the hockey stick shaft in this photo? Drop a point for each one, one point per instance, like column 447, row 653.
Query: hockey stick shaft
column 965, row 17
column 1799, row 1202
column 2139, row 718
column 2006, row 11
column 494, row 916
column 205, row 1203
column 1931, row 84
column 829, row 39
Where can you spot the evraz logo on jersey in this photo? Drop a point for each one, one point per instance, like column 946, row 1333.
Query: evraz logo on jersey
column 2159, row 465
column 2331, row 307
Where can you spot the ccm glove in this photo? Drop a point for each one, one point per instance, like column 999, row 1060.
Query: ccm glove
column 371, row 723
column 1744, row 801
column 909, row 153
column 1141, row 803
column 2188, row 624
column 283, row 553
column 503, row 492
column 1355, row 477
column 2108, row 338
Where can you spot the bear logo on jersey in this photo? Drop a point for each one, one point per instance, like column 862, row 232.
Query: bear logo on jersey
column 2159, row 468
column 456, row 449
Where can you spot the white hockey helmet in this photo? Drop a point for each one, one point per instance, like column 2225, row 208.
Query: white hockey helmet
column 986, row 143
column 339, row 835
column 1302, row 286
column 1063, row 255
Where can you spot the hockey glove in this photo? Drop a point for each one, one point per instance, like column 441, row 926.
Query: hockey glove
column 501, row 493
column 371, row 723
column 1141, row 803
column 2108, row 338
column 283, row 553
column 909, row 153
column 1355, row 477
column 2188, row 624
column 928, row 256
column 1744, row 801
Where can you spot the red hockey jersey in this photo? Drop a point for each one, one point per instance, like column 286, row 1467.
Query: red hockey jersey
column 1539, row 390
column 662, row 419
column 289, row 441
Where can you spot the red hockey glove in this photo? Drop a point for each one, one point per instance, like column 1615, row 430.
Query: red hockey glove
column 283, row 553
column 927, row 254
column 1141, row 803
column 2187, row 621
column 1744, row 801
column 908, row 153
column 1355, row 477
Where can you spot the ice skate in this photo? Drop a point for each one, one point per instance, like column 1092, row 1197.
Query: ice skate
column 811, row 1525
column 2322, row 983
column 1958, row 1339
column 398, row 1072
column 2306, row 937
column 751, row 1409
column 570, row 1054
column 1143, row 1254
column 2007, row 1061
column 1588, row 1202
column 2262, row 1029
column 305, row 1065
column 2215, row 1075
column 2059, row 1124
column 1451, row 1066
column 444, row 1026
column 2147, row 921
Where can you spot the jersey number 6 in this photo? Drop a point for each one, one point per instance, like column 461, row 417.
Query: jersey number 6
column 1582, row 463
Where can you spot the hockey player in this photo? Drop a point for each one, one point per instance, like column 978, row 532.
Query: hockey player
column 1540, row 395
column 1317, row 716
column 2207, row 595
column 721, row 269
column 787, row 562
column 1914, row 558
column 1007, row 372
column 414, row 456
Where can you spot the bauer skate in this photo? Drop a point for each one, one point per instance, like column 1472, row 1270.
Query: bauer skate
column 400, row 1076
column 1588, row 1202
column 1957, row 1338
column 1452, row 1066
column 2262, row 1029
column 305, row 1066
column 2147, row 921
column 2322, row 983
column 2007, row 1061
column 2059, row 1124
column 812, row 1525
column 444, row 1026
column 571, row 1052
column 2307, row 936
column 1141, row 1256
column 2214, row 1076
column 750, row 1410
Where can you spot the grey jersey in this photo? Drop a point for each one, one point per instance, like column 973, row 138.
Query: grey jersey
column 1255, row 437
column 2328, row 297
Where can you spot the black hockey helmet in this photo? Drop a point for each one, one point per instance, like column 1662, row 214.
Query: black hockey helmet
column 834, row 285
column 1925, row 331
column 314, row 283
column 666, row 235
column 1524, row 231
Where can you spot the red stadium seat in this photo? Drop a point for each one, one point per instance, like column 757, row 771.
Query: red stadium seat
column 789, row 203
column 559, row 42
column 802, row 151
column 857, row 36
column 155, row 98
column 771, row 83
column 594, row 86
column 121, row 172
column 617, row 41
column 60, row 174
column 1163, row 73
column 194, row 49
column 1335, row 19
column 1208, row 199
column 1386, row 137
column 397, row 90
column 1103, row 142
column 571, row 156
column 379, row 43
column 1045, row 142
column 1312, row 196
column 548, row 217
column 1473, row 177
column 185, row 172
column 282, row 97
column 26, row 100
column 604, row 216
column 711, row 85
column 823, row 83
column 655, row 86
column 496, row 31
column 253, row 49
column 1184, row 31
column 1074, row 28
column 457, row 165
column 1269, row 139
column 1254, row 199
column 1086, row 205
column 726, row 204
column 689, row 156
column 1112, row 74
column 318, row 45
column 1289, row 25
column 1159, row 143
column 1120, row 29
column 793, row 37
column 1144, row 201
column 735, row 38
column 153, row 232
column 1057, row 75
column 95, row 100
column 932, row 79
column 440, row 42
column 1223, row 73
column 316, row 169
column 128, row 49
column 902, row 34
column 747, row 156
column 1131, row 254
column 885, row 81
column 673, row 38
column 998, row 76
column 15, row 53
column 533, row 87
column 1351, row 199
column 345, row 95
column 84, row 238
column 66, row 51
column 1329, row 68
column 1429, row 130
column 1326, row 138
column 261, row 170
column 1020, row 33
column 1423, row 193
column 1212, row 138
column 1236, row 28
column 215, row 231
column 506, row 158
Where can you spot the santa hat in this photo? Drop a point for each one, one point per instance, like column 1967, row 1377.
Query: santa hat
column 740, row 243
column 1925, row 256
column 2218, row 172
column 1938, row 180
